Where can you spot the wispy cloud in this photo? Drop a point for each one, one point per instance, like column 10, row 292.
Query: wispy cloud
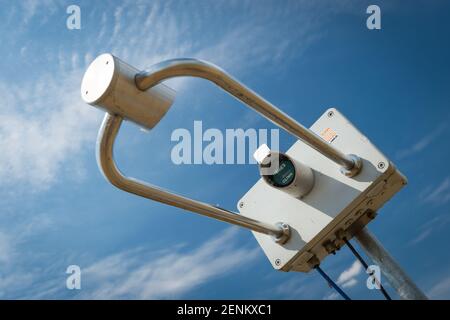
column 15, row 279
column 332, row 296
column 42, row 126
column 295, row 288
column 434, row 225
column 137, row 273
column 437, row 195
column 29, row 9
column 440, row 290
column 44, row 123
column 422, row 143
column 422, row 236
column 142, row 275
column 5, row 248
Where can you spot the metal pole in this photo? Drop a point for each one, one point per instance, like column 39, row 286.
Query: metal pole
column 399, row 280
column 105, row 158
column 351, row 164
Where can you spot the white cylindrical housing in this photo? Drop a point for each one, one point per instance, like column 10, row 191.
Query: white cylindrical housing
column 284, row 173
column 109, row 83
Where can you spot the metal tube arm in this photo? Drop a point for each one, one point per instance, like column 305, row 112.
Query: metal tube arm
column 105, row 158
column 351, row 164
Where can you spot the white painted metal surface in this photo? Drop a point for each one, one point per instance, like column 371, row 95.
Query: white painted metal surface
column 336, row 206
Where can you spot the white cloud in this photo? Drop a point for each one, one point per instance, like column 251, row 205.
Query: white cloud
column 131, row 274
column 348, row 277
column 117, row 20
column 5, row 248
column 30, row 8
column 350, row 283
column 434, row 225
column 423, row 143
column 422, row 236
column 44, row 123
column 140, row 275
column 17, row 279
column 292, row 288
column 440, row 290
column 43, row 126
column 332, row 296
column 439, row 194
column 12, row 238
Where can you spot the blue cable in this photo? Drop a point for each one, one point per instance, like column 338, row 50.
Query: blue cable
column 366, row 266
column 332, row 283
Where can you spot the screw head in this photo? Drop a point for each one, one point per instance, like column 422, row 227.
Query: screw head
column 277, row 262
column 241, row 204
column 330, row 114
column 381, row 165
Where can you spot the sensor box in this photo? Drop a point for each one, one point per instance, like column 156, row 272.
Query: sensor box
column 337, row 206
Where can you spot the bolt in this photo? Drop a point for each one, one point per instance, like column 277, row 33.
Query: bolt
column 330, row 114
column 277, row 262
column 330, row 247
column 241, row 204
column 381, row 165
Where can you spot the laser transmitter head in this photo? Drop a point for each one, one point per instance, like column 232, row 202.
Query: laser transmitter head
column 284, row 173
column 109, row 84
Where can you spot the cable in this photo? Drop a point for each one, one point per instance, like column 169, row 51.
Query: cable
column 332, row 283
column 366, row 266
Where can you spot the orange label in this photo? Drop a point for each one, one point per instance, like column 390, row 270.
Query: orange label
column 328, row 135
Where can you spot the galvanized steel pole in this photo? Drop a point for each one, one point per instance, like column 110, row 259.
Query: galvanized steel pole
column 394, row 273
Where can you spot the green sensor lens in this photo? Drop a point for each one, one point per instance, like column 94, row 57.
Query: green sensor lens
column 285, row 173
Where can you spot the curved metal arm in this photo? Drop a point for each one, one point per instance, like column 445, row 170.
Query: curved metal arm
column 351, row 165
column 105, row 158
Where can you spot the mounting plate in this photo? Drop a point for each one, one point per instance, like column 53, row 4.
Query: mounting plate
column 338, row 206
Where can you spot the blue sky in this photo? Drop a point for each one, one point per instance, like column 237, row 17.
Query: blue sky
column 56, row 209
